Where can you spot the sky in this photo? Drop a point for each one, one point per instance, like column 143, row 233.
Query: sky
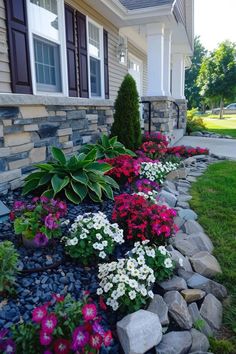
column 215, row 21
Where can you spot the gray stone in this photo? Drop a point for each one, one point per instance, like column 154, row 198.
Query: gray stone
column 184, row 198
column 175, row 343
column 175, row 283
column 176, row 174
column 183, row 205
column 179, row 221
column 191, row 295
column 186, row 275
column 178, row 309
column 191, row 179
column 200, row 342
column 170, row 185
column 189, row 161
column 198, row 322
column 186, row 247
column 202, row 241
column 205, row 264
column 48, row 130
column 209, row 286
column 169, row 198
column 179, row 260
column 139, row 332
column 192, row 226
column 188, row 214
column 159, row 307
column 212, row 311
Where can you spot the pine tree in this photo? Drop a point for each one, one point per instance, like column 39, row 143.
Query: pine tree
column 126, row 124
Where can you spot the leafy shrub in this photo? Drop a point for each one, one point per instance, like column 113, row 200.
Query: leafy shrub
column 39, row 220
column 107, row 148
column 126, row 284
column 157, row 258
column 157, row 171
column 183, row 151
column 92, row 238
column 142, row 220
column 73, row 326
column 78, row 177
column 126, row 124
column 8, row 266
column 194, row 123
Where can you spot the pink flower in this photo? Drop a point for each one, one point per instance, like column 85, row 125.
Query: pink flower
column 50, row 223
column 58, row 297
column 98, row 328
column 39, row 313
column 45, row 338
column 18, row 205
column 80, row 338
column 96, row 341
column 43, row 199
column 107, row 339
column 40, row 239
column 61, row 346
column 89, row 312
column 49, row 323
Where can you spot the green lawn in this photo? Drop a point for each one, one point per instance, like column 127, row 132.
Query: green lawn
column 226, row 126
column 214, row 200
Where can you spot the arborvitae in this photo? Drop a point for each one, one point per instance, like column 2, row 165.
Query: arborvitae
column 127, row 115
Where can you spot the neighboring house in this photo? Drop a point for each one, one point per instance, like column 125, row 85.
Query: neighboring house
column 62, row 63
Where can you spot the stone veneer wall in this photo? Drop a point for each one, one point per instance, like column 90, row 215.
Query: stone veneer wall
column 28, row 132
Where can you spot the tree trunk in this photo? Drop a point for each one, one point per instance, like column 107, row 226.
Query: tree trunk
column 221, row 107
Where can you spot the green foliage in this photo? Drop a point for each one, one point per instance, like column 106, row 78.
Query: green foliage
column 8, row 266
column 25, row 337
column 217, row 76
column 194, row 123
column 192, row 91
column 222, row 346
column 78, row 177
column 126, row 124
column 199, row 324
column 107, row 148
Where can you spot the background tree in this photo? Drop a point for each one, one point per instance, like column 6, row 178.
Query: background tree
column 192, row 91
column 126, row 124
column 217, row 77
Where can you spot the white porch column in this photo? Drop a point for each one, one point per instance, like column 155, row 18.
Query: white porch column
column 178, row 76
column 167, row 61
column 155, row 42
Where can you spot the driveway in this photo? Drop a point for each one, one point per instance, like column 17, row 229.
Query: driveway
column 220, row 147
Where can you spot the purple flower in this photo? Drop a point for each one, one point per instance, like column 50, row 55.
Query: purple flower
column 3, row 333
column 40, row 239
column 80, row 338
column 43, row 199
column 19, row 205
column 9, row 346
column 50, row 223
column 35, row 199
column 98, row 328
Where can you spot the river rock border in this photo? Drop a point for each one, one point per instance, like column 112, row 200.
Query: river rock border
column 188, row 307
column 207, row 134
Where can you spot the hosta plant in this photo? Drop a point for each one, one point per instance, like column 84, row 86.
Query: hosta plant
column 62, row 326
column 8, row 267
column 92, row 238
column 107, row 148
column 157, row 171
column 157, row 258
column 77, row 177
column 126, row 284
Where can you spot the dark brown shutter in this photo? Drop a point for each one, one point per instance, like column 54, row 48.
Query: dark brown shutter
column 18, row 46
column 71, row 51
column 106, row 69
column 83, row 55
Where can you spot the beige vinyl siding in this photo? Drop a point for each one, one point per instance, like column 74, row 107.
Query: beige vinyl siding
column 5, row 79
column 117, row 71
column 141, row 56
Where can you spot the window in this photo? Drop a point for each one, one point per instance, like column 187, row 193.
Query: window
column 95, row 57
column 46, row 31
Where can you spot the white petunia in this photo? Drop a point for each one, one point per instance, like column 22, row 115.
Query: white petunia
column 132, row 295
column 168, row 263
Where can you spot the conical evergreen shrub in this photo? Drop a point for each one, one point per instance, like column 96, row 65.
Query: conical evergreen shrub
column 126, row 124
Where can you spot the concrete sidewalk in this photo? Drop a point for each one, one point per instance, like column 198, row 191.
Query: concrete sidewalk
column 220, row 147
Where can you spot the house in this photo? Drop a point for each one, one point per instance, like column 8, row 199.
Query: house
column 62, row 63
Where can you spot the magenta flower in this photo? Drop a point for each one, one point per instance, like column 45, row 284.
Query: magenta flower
column 61, row 346
column 89, row 312
column 50, row 223
column 39, row 313
column 96, row 341
column 43, row 199
column 80, row 338
column 45, row 338
column 48, row 352
column 49, row 323
column 40, row 239
column 58, row 297
column 107, row 338
column 9, row 346
column 18, row 205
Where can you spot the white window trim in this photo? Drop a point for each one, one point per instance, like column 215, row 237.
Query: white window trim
column 62, row 52
column 140, row 62
column 88, row 19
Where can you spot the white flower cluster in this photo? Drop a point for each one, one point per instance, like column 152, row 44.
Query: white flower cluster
column 98, row 225
column 126, row 278
column 141, row 250
column 151, row 196
column 156, row 171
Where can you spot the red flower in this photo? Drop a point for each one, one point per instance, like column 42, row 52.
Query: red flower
column 96, row 341
column 58, row 297
column 102, row 303
column 12, row 216
column 107, row 339
column 61, row 346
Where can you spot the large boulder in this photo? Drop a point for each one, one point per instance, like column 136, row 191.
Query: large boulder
column 200, row 342
column 175, row 343
column 178, row 309
column 159, row 307
column 205, row 264
column 175, row 283
column 212, row 310
column 188, row 214
column 198, row 281
column 139, row 332
column 192, row 226
column 168, row 198
column 198, row 320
